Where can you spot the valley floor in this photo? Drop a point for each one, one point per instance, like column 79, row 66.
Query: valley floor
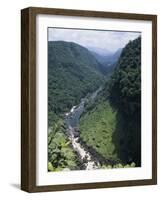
column 97, row 127
column 86, row 140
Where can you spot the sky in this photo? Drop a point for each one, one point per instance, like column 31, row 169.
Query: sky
column 109, row 41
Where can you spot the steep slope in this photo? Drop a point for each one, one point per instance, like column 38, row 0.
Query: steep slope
column 72, row 72
column 115, row 56
column 125, row 84
column 108, row 61
column 112, row 125
column 97, row 125
column 125, row 95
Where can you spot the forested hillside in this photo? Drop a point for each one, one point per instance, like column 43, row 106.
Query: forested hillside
column 125, row 96
column 60, row 153
column 94, row 120
column 72, row 72
column 112, row 125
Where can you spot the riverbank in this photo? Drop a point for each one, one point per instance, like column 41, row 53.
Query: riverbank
column 72, row 120
column 85, row 157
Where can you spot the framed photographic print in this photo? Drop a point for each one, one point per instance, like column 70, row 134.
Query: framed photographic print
column 89, row 99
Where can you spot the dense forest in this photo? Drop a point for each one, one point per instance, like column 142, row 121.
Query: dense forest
column 125, row 96
column 116, row 115
column 109, row 128
column 72, row 72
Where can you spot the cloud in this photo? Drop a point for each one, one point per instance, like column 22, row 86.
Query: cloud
column 107, row 40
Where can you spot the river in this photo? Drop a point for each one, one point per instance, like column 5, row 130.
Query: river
column 72, row 122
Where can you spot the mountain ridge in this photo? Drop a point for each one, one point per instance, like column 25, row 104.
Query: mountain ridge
column 72, row 73
column 108, row 61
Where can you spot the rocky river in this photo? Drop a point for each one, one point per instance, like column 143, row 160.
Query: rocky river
column 72, row 122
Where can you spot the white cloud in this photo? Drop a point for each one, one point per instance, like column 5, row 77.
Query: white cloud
column 108, row 40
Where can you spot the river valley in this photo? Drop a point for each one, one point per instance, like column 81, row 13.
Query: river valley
column 72, row 122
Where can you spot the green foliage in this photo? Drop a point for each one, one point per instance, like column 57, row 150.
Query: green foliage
column 124, row 92
column 72, row 73
column 125, row 83
column 119, row 165
column 97, row 127
column 111, row 124
column 114, row 129
column 50, row 167
column 60, row 154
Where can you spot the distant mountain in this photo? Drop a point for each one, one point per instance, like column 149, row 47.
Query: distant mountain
column 101, row 58
column 114, row 57
column 108, row 60
column 100, row 51
column 72, row 72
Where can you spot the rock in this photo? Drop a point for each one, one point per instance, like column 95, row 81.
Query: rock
column 76, row 132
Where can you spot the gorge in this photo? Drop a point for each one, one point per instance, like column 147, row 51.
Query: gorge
column 94, row 114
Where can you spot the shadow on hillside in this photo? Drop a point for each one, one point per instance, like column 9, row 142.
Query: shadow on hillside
column 127, row 139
